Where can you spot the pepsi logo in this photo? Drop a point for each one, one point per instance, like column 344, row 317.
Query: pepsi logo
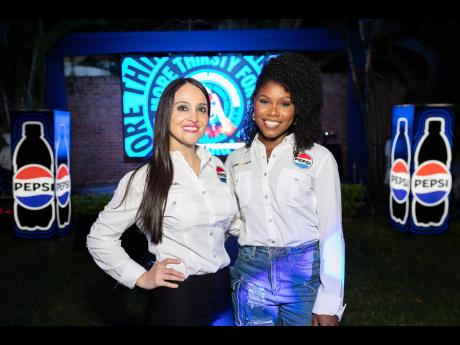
column 431, row 183
column 400, row 180
column 221, row 174
column 63, row 185
column 33, row 186
column 303, row 160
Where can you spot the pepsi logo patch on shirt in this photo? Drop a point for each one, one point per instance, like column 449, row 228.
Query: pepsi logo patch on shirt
column 221, row 174
column 303, row 160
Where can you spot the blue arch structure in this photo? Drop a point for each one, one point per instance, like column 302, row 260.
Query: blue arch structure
column 267, row 40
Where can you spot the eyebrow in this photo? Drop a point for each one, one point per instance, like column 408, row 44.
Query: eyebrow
column 189, row 103
column 263, row 95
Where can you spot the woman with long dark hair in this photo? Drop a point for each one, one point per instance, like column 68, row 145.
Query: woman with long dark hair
column 290, row 268
column 182, row 203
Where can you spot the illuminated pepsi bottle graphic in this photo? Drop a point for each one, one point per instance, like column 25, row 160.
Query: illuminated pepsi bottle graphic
column 62, row 179
column 431, row 180
column 400, row 174
column 33, row 179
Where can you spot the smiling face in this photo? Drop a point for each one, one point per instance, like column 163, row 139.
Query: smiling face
column 189, row 117
column 273, row 112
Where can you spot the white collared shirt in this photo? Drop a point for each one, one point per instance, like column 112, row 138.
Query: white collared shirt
column 198, row 212
column 284, row 203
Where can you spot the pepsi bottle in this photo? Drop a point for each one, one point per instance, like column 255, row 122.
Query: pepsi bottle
column 400, row 174
column 33, row 179
column 62, row 179
column 431, row 181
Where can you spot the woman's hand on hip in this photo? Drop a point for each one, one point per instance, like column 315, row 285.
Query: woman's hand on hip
column 159, row 274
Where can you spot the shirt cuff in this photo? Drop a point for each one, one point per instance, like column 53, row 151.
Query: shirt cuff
column 326, row 304
column 131, row 274
column 235, row 227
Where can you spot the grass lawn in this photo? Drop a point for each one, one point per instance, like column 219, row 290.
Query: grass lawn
column 49, row 282
column 391, row 279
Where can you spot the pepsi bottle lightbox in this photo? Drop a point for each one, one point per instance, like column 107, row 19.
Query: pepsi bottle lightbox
column 230, row 80
column 420, row 178
column 41, row 173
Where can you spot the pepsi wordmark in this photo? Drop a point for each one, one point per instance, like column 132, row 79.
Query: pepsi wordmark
column 432, row 180
column 420, row 188
column 62, row 160
column 400, row 173
column 41, row 173
column 33, row 180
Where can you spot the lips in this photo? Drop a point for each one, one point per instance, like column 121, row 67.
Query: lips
column 271, row 124
column 191, row 129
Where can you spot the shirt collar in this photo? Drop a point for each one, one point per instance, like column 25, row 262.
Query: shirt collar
column 288, row 139
column 205, row 156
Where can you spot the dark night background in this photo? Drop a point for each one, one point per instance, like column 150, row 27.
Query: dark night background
column 392, row 278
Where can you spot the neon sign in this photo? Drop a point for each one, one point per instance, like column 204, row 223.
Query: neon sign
column 229, row 79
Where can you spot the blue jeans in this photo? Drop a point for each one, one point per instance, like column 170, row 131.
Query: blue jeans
column 275, row 286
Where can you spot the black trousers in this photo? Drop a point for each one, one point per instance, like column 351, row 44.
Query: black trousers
column 196, row 302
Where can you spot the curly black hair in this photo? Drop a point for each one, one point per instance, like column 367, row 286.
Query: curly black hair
column 302, row 79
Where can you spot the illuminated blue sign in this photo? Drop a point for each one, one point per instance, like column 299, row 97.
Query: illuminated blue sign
column 229, row 79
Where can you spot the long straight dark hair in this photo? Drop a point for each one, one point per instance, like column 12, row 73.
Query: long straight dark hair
column 160, row 170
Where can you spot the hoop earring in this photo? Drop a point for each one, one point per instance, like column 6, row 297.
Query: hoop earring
column 253, row 117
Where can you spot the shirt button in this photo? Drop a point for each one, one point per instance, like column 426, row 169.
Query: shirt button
column 265, row 174
column 211, row 233
column 273, row 242
column 174, row 203
column 273, row 156
column 270, row 220
column 203, row 192
column 296, row 179
column 266, row 196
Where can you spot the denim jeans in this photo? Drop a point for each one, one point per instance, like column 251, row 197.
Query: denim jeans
column 275, row 286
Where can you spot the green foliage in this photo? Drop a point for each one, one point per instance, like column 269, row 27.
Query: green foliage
column 352, row 199
column 89, row 205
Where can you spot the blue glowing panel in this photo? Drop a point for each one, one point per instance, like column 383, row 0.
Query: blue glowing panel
column 229, row 79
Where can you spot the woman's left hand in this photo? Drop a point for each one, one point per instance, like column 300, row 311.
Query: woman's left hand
column 324, row 320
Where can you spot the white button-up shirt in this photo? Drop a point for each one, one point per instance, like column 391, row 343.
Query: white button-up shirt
column 286, row 202
column 198, row 212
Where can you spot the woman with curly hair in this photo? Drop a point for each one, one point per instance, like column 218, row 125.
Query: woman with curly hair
column 290, row 266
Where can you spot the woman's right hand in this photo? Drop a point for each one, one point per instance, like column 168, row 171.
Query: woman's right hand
column 158, row 275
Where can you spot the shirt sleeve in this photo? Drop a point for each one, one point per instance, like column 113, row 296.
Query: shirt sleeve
column 237, row 221
column 329, row 300
column 104, row 242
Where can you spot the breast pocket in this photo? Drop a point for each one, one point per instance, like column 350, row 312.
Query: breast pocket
column 294, row 187
column 181, row 210
column 224, row 202
column 243, row 187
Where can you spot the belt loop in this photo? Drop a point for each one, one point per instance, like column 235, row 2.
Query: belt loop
column 253, row 248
